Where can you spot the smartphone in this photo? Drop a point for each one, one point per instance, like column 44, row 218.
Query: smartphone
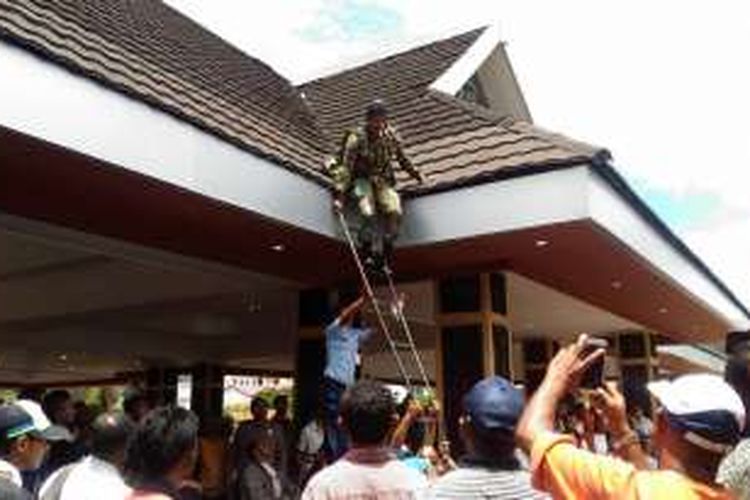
column 593, row 377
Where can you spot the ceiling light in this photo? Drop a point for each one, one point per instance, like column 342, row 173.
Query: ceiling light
column 663, row 310
column 616, row 284
column 278, row 247
column 541, row 243
column 63, row 357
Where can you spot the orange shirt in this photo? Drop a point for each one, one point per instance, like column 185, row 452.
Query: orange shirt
column 565, row 471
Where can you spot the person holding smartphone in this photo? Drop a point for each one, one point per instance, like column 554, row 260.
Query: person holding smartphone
column 700, row 419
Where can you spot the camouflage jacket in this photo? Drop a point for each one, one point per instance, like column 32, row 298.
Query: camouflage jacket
column 363, row 157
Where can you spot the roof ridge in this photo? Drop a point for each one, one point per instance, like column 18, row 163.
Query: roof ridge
column 389, row 57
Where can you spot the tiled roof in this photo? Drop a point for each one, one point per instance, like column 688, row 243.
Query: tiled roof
column 339, row 100
column 154, row 53
column 451, row 140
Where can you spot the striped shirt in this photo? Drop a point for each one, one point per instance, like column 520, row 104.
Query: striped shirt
column 476, row 482
column 734, row 471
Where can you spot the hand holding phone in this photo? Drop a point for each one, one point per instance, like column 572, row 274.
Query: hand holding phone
column 593, row 377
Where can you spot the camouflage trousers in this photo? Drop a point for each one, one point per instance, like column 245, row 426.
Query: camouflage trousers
column 376, row 196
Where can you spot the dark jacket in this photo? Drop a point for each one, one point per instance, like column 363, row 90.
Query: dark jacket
column 256, row 484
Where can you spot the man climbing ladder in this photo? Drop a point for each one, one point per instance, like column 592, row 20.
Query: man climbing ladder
column 363, row 173
column 363, row 176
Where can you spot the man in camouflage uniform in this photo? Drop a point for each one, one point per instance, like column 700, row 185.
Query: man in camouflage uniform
column 364, row 172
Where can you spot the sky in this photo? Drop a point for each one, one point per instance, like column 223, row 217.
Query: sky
column 661, row 84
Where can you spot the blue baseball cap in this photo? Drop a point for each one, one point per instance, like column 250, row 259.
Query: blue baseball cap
column 494, row 404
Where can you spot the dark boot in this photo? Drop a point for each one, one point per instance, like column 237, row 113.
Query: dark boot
column 387, row 252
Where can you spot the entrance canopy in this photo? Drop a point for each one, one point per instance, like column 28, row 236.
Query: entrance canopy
column 155, row 206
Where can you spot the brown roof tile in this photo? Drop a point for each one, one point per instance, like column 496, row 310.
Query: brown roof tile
column 454, row 142
column 401, row 80
column 150, row 51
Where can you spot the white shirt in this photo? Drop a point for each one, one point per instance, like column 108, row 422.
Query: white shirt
column 91, row 479
column 311, row 438
column 10, row 472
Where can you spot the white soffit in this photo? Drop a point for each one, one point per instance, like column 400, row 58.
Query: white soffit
column 44, row 100
column 459, row 73
column 517, row 203
column 565, row 195
column 613, row 213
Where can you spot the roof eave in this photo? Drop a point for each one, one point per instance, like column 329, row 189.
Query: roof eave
column 607, row 172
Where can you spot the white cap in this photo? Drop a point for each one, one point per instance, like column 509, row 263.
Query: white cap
column 704, row 407
column 42, row 426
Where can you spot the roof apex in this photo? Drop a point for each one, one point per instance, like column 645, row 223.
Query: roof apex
column 392, row 53
column 469, row 62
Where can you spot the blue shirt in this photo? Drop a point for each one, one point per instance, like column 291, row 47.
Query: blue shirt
column 342, row 345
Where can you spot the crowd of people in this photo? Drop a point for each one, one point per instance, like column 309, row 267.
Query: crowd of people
column 560, row 443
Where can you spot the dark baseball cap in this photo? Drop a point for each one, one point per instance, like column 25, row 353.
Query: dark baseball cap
column 377, row 108
column 494, row 404
column 26, row 417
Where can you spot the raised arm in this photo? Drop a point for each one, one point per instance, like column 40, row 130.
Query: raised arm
column 563, row 373
column 625, row 444
column 347, row 314
column 413, row 411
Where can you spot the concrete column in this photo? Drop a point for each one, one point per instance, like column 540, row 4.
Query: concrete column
column 207, row 397
column 474, row 339
column 161, row 385
column 537, row 353
column 314, row 313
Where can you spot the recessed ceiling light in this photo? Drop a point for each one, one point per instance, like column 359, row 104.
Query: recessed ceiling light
column 541, row 243
column 616, row 284
column 663, row 310
column 278, row 247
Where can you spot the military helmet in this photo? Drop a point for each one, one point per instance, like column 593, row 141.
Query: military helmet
column 377, row 108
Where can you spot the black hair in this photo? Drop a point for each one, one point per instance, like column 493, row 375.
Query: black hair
column 31, row 393
column 281, row 398
column 258, row 437
column 159, row 443
column 53, row 401
column 368, row 411
column 493, row 445
column 111, row 432
column 5, row 446
column 415, row 436
column 258, row 401
column 377, row 108
column 130, row 398
column 738, row 342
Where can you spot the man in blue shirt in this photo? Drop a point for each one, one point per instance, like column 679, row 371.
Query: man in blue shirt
column 343, row 339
